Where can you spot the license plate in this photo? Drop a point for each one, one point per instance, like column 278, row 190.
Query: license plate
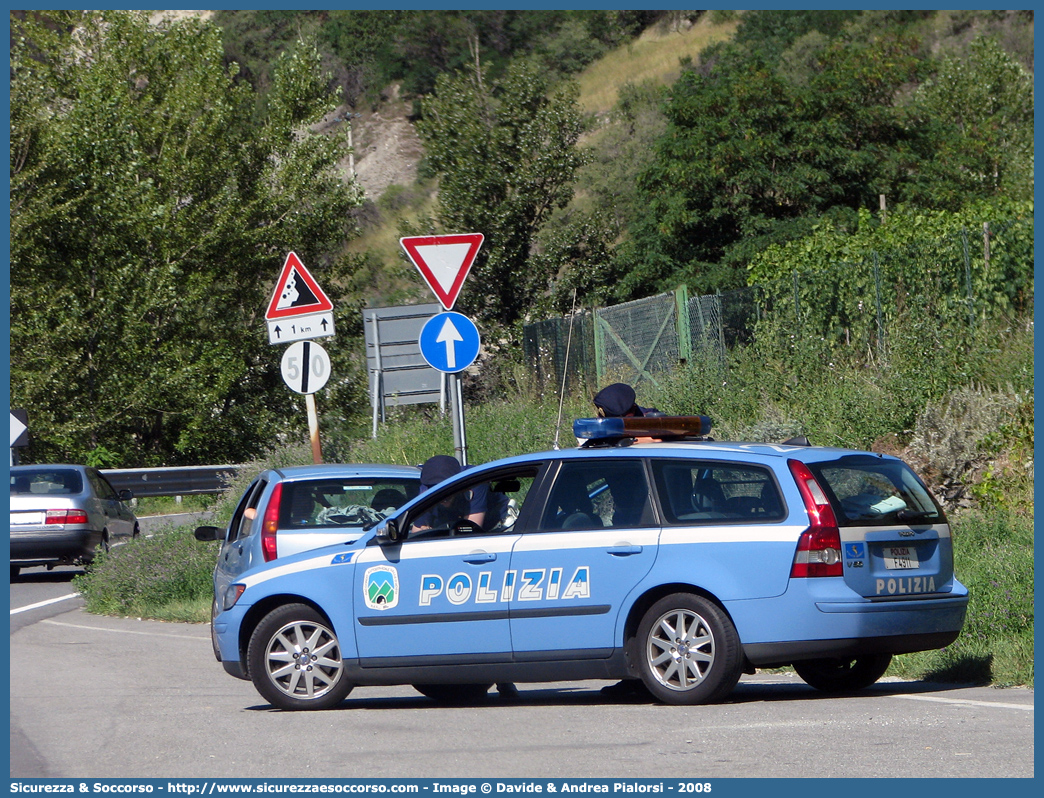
column 25, row 519
column 900, row 558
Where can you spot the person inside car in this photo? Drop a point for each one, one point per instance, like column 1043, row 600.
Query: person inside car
column 456, row 508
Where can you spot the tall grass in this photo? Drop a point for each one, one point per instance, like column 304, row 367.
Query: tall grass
column 493, row 430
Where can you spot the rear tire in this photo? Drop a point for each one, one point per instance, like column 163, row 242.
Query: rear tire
column 688, row 650
column 295, row 661
column 843, row 675
column 454, row 693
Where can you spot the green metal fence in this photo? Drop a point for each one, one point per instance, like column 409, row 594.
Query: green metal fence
column 632, row 342
column 953, row 281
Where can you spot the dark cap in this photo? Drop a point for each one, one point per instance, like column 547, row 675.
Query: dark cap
column 438, row 468
column 616, row 400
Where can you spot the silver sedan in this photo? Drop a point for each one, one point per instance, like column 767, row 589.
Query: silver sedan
column 63, row 514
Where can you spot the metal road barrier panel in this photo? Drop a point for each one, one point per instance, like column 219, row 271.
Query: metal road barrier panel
column 178, row 481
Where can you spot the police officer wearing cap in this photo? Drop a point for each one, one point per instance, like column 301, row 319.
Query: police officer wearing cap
column 435, row 470
column 619, row 401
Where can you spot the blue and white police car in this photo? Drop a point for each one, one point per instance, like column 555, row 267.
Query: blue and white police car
column 651, row 552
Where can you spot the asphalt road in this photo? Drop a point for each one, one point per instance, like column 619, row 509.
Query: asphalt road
column 121, row 698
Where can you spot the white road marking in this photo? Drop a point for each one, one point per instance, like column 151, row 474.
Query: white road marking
column 1001, row 704
column 121, row 631
column 44, row 603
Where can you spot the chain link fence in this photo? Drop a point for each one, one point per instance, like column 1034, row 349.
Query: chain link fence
column 635, row 341
column 954, row 281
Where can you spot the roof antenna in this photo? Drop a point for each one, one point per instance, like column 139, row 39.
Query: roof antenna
column 565, row 368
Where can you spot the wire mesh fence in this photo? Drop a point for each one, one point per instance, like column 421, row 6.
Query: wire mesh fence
column 953, row 281
column 635, row 341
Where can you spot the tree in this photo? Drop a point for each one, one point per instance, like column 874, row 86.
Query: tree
column 148, row 222
column 980, row 111
column 506, row 154
column 750, row 158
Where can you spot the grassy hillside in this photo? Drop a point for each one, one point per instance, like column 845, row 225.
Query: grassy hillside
column 654, row 58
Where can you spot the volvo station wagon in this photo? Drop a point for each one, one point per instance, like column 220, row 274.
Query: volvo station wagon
column 650, row 552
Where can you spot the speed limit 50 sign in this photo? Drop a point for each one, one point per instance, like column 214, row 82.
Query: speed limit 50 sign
column 305, row 367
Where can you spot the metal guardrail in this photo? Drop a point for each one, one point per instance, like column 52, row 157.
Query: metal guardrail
column 183, row 481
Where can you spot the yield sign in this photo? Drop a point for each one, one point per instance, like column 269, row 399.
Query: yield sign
column 443, row 261
column 296, row 293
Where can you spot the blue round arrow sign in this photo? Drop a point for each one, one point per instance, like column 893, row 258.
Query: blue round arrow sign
column 449, row 342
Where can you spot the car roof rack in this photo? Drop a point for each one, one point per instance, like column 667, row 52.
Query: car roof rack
column 625, row 431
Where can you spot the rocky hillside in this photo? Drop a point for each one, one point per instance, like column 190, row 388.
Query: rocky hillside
column 386, row 148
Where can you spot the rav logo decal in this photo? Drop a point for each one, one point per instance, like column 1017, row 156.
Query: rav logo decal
column 381, row 587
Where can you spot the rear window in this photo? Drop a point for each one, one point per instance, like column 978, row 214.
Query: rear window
column 866, row 491
column 342, row 502
column 46, row 481
column 694, row 492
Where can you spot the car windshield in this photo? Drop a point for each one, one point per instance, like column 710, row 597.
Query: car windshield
column 342, row 502
column 872, row 490
column 45, row 481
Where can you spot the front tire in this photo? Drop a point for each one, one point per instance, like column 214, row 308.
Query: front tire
column 213, row 632
column 295, row 660
column 843, row 675
column 454, row 693
column 689, row 650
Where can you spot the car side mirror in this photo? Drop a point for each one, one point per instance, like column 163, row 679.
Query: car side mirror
column 209, row 533
column 388, row 531
column 507, row 486
column 126, row 495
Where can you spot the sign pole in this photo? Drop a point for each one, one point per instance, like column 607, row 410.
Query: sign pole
column 313, row 428
column 460, row 445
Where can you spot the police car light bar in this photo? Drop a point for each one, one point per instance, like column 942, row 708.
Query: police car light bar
column 600, row 429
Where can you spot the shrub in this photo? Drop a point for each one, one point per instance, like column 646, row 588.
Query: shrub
column 949, row 435
column 165, row 576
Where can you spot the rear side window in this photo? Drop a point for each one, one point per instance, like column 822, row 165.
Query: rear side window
column 242, row 523
column 101, row 486
column 695, row 492
column 598, row 494
column 342, row 502
column 865, row 491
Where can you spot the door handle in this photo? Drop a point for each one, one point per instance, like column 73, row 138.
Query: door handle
column 625, row 550
column 480, row 557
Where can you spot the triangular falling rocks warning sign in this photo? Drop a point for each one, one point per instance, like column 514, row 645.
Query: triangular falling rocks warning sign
column 297, row 293
column 443, row 261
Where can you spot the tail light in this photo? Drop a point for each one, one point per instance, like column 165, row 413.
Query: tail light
column 819, row 548
column 66, row 517
column 271, row 524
